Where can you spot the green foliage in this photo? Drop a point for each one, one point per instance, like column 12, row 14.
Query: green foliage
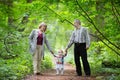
column 15, row 69
column 47, row 63
column 102, row 55
column 19, row 17
column 70, row 59
column 111, row 64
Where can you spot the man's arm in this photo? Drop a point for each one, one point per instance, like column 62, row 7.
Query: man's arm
column 87, row 39
column 70, row 42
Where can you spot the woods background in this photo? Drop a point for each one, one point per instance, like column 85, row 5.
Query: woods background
column 19, row 17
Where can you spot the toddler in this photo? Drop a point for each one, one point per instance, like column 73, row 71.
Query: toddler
column 60, row 62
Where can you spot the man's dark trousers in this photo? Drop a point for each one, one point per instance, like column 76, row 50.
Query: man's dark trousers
column 80, row 51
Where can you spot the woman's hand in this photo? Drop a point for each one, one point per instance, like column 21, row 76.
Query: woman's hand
column 87, row 48
column 52, row 52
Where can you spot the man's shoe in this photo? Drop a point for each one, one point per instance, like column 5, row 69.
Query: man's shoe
column 38, row 73
column 87, row 75
column 79, row 75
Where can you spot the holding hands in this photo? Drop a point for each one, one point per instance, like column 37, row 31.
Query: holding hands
column 66, row 51
column 63, row 53
column 52, row 53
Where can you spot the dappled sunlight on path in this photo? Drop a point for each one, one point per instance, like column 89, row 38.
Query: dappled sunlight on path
column 69, row 74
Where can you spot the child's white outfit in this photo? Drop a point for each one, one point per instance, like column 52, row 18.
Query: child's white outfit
column 60, row 64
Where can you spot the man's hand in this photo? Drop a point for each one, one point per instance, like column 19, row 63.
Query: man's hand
column 66, row 52
column 87, row 48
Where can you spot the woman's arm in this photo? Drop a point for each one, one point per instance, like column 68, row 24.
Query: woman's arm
column 31, row 36
column 48, row 46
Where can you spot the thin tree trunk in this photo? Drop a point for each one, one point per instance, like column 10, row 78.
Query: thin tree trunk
column 99, row 17
column 100, row 9
column 10, row 12
column 29, row 1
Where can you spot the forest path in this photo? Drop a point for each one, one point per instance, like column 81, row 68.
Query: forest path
column 69, row 74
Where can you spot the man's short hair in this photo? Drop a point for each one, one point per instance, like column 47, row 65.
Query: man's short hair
column 78, row 21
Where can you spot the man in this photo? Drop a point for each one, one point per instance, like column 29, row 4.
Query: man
column 81, row 40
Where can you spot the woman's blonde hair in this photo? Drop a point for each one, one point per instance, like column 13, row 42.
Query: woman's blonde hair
column 42, row 24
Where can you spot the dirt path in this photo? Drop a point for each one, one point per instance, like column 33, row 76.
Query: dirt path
column 69, row 74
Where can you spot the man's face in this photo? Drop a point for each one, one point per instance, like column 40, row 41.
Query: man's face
column 76, row 24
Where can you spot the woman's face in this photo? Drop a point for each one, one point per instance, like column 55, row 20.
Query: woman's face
column 43, row 28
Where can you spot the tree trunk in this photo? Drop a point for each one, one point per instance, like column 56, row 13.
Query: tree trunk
column 100, row 9
column 99, row 17
column 58, row 4
column 29, row 1
column 10, row 12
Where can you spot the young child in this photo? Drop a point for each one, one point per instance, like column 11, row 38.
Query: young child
column 60, row 62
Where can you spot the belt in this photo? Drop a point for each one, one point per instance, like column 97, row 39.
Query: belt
column 76, row 42
column 79, row 43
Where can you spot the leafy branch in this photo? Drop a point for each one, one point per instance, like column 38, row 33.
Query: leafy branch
column 112, row 2
column 91, row 21
column 114, row 9
column 6, row 48
column 105, row 43
column 61, row 18
column 10, row 55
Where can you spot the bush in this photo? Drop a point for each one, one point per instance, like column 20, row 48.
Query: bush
column 13, row 72
column 111, row 64
column 113, row 77
column 47, row 63
column 15, row 68
column 70, row 59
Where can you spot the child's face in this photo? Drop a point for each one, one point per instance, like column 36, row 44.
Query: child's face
column 60, row 53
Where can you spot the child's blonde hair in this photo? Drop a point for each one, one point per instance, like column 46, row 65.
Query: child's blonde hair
column 60, row 51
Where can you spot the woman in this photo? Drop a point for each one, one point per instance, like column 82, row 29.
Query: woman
column 37, row 39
